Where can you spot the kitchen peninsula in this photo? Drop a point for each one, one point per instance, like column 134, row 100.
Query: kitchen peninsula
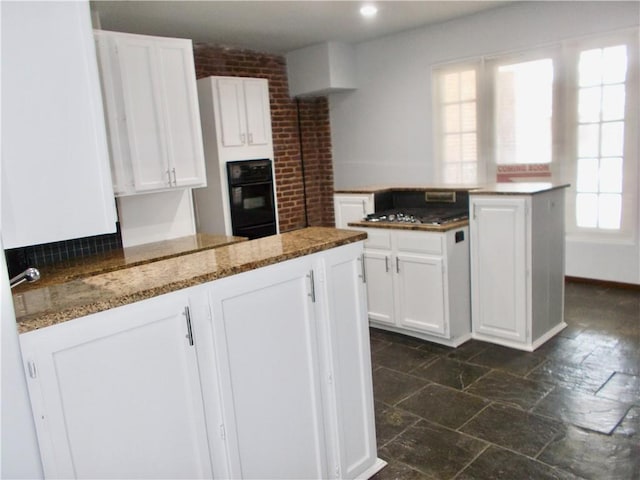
column 243, row 361
column 447, row 264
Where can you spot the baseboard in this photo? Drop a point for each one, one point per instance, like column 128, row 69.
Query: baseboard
column 603, row 283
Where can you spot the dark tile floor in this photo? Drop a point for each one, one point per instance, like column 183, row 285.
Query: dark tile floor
column 569, row 410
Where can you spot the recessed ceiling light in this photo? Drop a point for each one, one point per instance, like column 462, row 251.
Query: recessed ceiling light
column 368, row 10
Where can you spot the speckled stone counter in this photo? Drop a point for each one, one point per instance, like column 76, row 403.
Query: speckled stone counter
column 411, row 226
column 402, row 188
column 517, row 188
column 48, row 305
column 124, row 258
column 510, row 188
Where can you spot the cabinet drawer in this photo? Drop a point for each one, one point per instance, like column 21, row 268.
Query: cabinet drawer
column 420, row 242
column 378, row 239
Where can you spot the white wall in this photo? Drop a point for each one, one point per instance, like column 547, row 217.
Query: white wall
column 381, row 132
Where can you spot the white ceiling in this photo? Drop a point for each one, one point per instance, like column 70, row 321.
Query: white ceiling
column 276, row 26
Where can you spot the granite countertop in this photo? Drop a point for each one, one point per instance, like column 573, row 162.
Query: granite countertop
column 411, row 226
column 54, row 303
column 517, row 188
column 403, row 188
column 124, row 258
column 507, row 188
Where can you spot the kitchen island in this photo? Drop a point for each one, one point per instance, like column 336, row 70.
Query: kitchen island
column 517, row 263
column 249, row 360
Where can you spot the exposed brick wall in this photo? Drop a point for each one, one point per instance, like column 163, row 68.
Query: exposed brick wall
column 316, row 134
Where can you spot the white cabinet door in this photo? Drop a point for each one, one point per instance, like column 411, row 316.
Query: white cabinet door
column 420, row 294
column 245, row 118
column 499, row 267
column 265, row 335
column 256, row 95
column 143, row 110
column 232, row 112
column 353, row 428
column 351, row 208
column 379, row 286
column 56, row 183
column 150, row 97
column 117, row 394
column 176, row 72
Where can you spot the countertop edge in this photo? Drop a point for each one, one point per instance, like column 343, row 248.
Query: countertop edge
column 310, row 238
column 411, row 226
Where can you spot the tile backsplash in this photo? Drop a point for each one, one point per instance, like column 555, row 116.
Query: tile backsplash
column 45, row 254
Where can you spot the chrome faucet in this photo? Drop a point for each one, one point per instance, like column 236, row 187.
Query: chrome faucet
column 29, row 275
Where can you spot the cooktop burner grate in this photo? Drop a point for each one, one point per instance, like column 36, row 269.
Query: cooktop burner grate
column 423, row 216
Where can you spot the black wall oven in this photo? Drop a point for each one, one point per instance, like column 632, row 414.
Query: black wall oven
column 251, row 198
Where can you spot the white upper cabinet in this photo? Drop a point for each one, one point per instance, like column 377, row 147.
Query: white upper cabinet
column 242, row 116
column 149, row 87
column 56, row 183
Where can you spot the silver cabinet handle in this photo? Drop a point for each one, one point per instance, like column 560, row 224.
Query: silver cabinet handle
column 386, row 264
column 364, row 271
column 169, row 176
column 312, row 285
column 175, row 180
column 397, row 265
column 189, row 335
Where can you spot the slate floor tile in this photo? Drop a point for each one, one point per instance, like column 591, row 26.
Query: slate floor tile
column 498, row 464
column 395, row 338
column 377, row 343
column 565, row 350
column 506, row 388
column 468, row 350
column 571, row 375
column 434, row 450
column 622, row 387
column 630, row 424
column 513, row 428
column 390, row 387
column 399, row 471
column 443, row 405
column 582, row 409
column 451, row 373
column 510, row 360
column 391, row 421
column 401, row 358
column 436, row 348
column 595, row 456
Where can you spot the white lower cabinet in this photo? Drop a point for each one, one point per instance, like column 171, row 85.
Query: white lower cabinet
column 265, row 374
column 265, row 338
column 117, row 394
column 517, row 267
column 292, row 361
column 351, row 207
column 418, row 283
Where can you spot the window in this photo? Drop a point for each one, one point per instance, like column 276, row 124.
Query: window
column 523, row 106
column 559, row 114
column 600, row 149
column 457, row 124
